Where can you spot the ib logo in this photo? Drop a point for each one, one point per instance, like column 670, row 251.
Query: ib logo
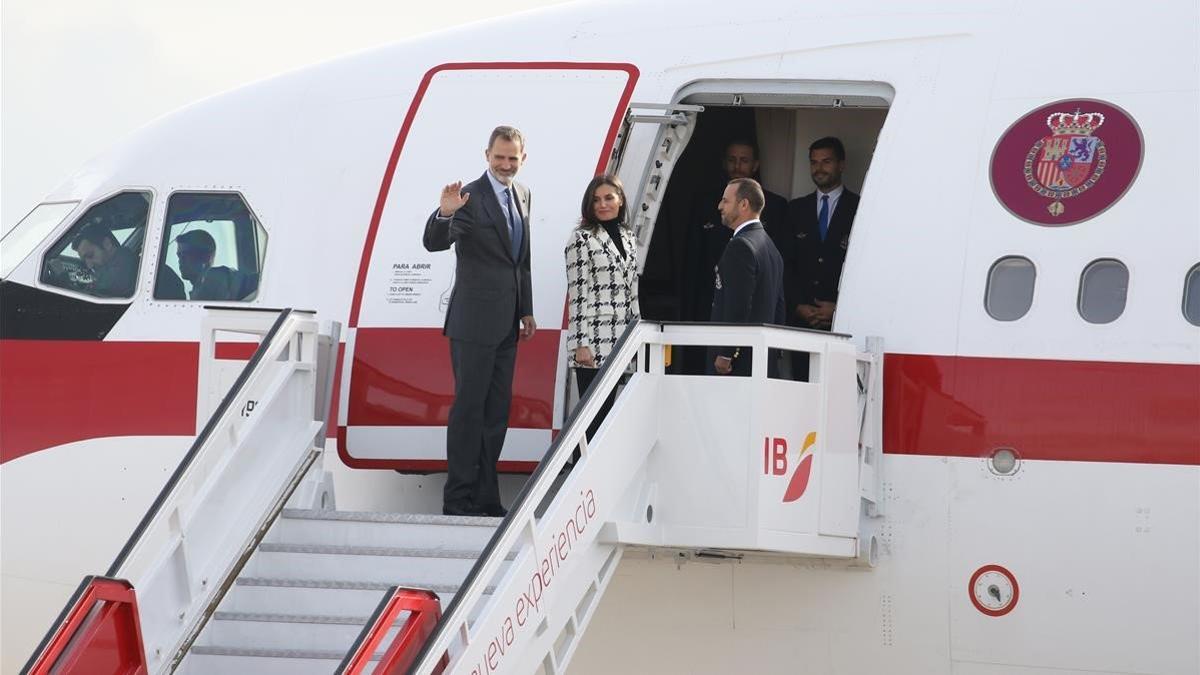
column 775, row 463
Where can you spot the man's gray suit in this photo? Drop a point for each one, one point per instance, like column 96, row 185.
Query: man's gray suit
column 492, row 291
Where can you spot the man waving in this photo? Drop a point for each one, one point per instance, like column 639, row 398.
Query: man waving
column 488, row 222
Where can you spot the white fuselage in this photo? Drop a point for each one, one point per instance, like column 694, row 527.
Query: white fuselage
column 342, row 162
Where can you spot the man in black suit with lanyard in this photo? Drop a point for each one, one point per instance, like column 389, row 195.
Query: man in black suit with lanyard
column 706, row 240
column 821, row 224
column 748, row 285
column 488, row 223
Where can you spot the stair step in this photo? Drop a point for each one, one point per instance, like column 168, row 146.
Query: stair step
column 272, row 635
column 222, row 660
column 347, row 585
column 388, row 517
column 294, row 618
column 253, row 599
column 382, row 530
column 323, row 654
column 421, row 572
column 391, row 551
column 280, row 599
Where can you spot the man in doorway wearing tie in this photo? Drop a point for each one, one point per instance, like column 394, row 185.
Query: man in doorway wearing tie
column 492, row 301
column 821, row 224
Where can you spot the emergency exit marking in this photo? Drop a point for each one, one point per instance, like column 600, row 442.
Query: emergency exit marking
column 408, row 282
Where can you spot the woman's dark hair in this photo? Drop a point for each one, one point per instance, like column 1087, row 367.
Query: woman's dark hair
column 587, row 218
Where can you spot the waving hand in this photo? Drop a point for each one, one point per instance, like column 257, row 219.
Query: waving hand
column 453, row 199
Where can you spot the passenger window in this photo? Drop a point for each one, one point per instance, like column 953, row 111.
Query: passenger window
column 102, row 251
column 1191, row 296
column 1010, row 288
column 212, row 250
column 1102, row 290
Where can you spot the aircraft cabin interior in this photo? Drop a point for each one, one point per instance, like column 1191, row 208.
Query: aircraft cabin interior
column 677, row 277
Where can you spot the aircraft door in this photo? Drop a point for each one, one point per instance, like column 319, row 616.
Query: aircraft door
column 397, row 383
column 674, row 122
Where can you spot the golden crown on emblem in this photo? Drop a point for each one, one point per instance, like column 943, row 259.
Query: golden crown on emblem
column 1076, row 123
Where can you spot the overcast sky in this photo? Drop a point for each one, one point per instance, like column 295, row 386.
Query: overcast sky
column 76, row 76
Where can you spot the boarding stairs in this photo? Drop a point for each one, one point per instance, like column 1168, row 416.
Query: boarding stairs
column 314, row 582
column 244, row 564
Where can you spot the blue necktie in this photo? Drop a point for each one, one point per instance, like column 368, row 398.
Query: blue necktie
column 823, row 217
column 514, row 224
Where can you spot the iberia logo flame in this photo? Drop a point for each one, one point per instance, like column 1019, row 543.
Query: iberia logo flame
column 799, row 482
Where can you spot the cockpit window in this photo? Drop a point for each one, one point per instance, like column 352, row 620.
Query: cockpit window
column 20, row 241
column 101, row 252
column 213, row 249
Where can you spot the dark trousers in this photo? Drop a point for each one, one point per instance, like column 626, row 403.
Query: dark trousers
column 478, row 422
column 584, row 378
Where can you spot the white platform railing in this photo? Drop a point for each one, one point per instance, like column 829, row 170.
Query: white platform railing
column 264, row 432
column 742, row 464
column 761, row 463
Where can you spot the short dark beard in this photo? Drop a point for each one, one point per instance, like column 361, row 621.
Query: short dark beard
column 834, row 181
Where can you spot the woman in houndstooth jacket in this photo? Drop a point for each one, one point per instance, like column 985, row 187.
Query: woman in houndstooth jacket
column 601, row 282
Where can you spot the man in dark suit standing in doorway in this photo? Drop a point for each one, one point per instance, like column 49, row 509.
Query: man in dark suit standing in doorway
column 492, row 301
column 821, row 224
column 708, row 238
column 748, row 286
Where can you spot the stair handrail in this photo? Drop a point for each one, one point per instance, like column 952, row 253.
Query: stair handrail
column 424, row 610
column 155, row 506
column 201, row 438
column 292, row 345
column 627, row 347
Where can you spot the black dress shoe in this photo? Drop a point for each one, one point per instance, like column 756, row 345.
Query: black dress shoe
column 495, row 511
column 456, row 510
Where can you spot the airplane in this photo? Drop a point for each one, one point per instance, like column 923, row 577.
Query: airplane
column 1027, row 248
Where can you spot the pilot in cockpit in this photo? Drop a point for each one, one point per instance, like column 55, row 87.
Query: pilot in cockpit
column 114, row 266
column 197, row 249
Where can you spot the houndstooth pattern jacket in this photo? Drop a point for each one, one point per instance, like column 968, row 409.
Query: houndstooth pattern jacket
column 601, row 291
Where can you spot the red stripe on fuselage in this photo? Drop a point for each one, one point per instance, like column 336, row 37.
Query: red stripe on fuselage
column 403, row 378
column 54, row 392
column 234, row 351
column 1087, row 411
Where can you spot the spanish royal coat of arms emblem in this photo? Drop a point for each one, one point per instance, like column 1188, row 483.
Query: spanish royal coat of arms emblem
column 1066, row 161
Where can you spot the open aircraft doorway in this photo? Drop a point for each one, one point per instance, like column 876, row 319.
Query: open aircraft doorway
column 779, row 120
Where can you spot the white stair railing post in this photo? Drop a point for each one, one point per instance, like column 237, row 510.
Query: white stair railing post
column 871, row 426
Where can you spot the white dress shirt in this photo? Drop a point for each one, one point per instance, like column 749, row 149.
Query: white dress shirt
column 739, row 227
column 834, row 195
column 500, row 188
